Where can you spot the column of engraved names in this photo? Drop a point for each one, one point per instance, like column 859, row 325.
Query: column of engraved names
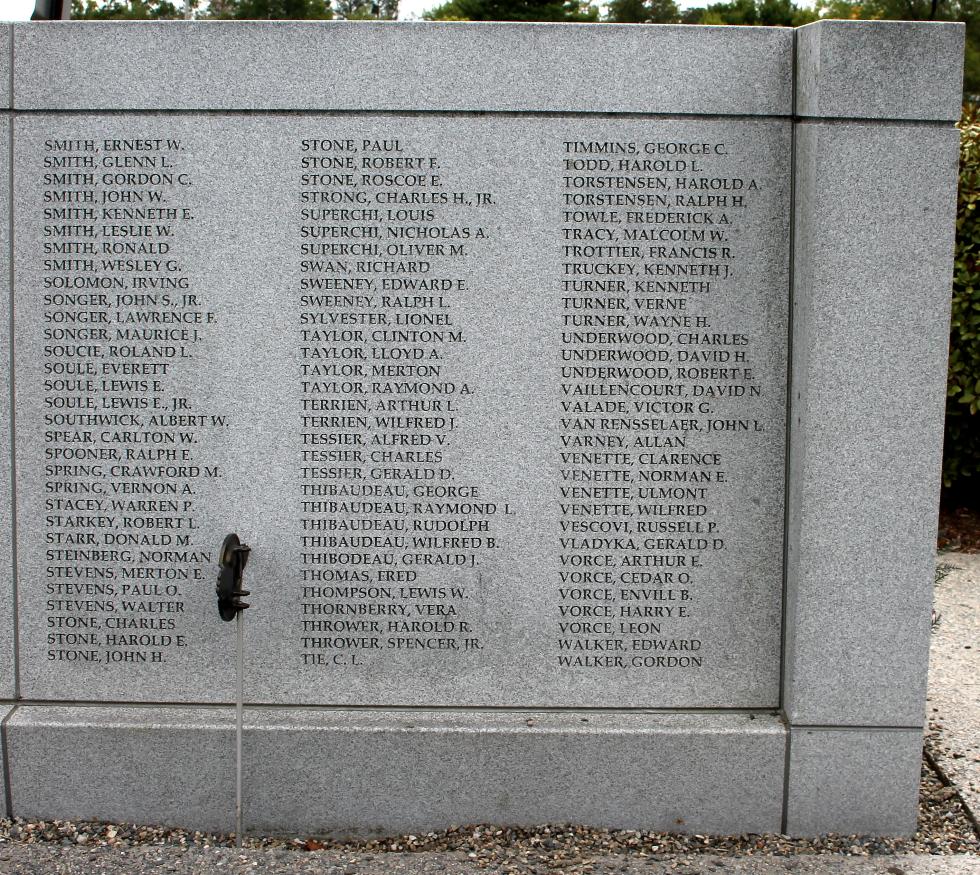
column 120, row 448
column 648, row 381
column 390, row 535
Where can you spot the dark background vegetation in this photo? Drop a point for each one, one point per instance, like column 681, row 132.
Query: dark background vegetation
column 961, row 461
column 961, row 466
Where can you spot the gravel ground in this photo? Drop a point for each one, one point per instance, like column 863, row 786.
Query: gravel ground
column 44, row 860
column 945, row 843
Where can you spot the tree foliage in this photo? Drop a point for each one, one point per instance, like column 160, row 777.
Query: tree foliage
column 643, row 12
column 359, row 10
column 125, row 10
column 238, row 9
column 967, row 11
column 513, row 10
column 961, row 458
column 775, row 13
column 757, row 12
column 277, row 9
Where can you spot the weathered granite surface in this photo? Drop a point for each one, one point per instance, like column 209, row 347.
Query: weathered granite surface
column 880, row 70
column 853, row 781
column 377, row 773
column 5, row 711
column 874, row 242
column 6, row 74
column 240, row 253
column 403, row 66
column 169, row 765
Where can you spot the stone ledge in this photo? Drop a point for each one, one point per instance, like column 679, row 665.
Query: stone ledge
column 172, row 766
column 901, row 70
column 362, row 772
column 373, row 772
column 450, row 66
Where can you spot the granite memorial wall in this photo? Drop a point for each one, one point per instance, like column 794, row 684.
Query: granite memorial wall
column 577, row 389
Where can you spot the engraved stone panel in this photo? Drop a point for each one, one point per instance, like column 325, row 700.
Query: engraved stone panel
column 125, row 296
column 498, row 402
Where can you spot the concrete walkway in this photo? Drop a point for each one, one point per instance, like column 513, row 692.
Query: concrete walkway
column 954, row 676
column 47, row 860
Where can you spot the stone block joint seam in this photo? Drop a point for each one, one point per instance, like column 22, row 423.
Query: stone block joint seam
column 12, row 534
column 11, row 346
column 791, row 275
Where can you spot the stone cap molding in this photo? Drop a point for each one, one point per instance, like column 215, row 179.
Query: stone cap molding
column 402, row 66
column 887, row 70
column 897, row 70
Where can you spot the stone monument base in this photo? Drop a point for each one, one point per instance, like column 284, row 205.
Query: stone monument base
column 366, row 772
